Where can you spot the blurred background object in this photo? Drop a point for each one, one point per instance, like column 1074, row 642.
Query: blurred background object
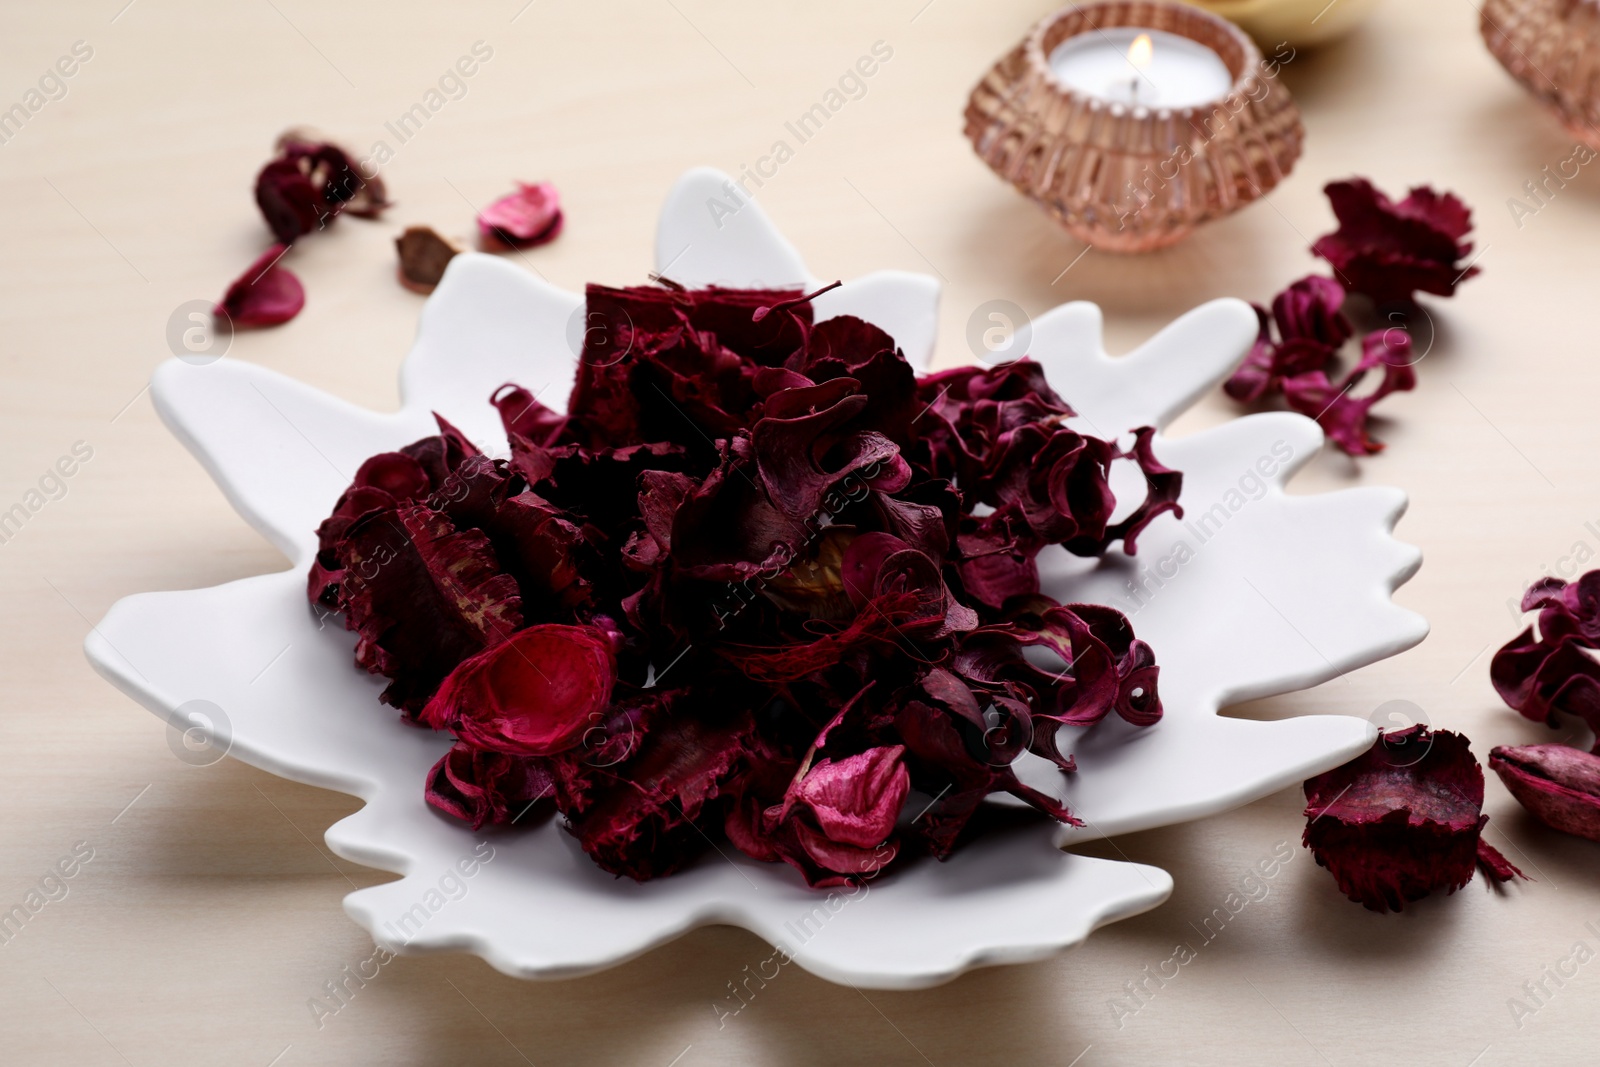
column 1301, row 23
column 1553, row 48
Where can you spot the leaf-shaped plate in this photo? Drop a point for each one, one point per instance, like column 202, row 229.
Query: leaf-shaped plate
column 1254, row 593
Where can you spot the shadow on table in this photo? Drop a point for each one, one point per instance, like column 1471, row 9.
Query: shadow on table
column 239, row 829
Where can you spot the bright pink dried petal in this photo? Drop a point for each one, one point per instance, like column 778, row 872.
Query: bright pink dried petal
column 856, row 800
column 530, row 216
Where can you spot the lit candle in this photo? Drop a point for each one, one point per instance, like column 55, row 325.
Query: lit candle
column 1129, row 65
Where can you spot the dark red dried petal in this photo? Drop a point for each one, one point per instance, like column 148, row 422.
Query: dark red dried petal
column 1391, row 251
column 1311, row 328
column 1343, row 415
column 266, row 294
column 290, row 203
column 423, row 596
column 650, row 816
column 1393, row 826
column 944, row 767
column 522, row 414
column 481, row 787
column 1553, row 673
column 535, row 693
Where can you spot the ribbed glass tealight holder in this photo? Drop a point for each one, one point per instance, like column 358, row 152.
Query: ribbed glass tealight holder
column 1553, row 48
column 1131, row 178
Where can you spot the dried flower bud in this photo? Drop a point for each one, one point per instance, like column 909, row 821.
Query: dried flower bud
column 423, row 257
column 309, row 183
column 1393, row 829
column 1558, row 784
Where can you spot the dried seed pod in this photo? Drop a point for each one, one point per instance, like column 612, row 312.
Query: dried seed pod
column 1558, row 784
column 423, row 257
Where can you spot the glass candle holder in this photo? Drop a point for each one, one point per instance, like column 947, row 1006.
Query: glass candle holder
column 1121, row 172
column 1553, row 48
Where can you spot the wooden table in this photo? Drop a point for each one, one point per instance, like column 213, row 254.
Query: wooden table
column 209, row 913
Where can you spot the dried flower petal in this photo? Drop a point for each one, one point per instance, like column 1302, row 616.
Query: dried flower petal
column 532, row 694
column 1343, row 416
column 650, row 815
column 423, row 257
column 1393, row 826
column 423, row 596
column 479, row 786
column 1551, row 673
column 1311, row 329
column 837, row 819
column 288, row 201
column 1390, row 251
column 530, row 216
column 266, row 294
column 745, row 524
column 309, row 183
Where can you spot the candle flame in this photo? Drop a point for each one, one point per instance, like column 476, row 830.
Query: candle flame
column 1140, row 51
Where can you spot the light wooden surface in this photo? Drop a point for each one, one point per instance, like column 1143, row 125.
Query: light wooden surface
column 209, row 913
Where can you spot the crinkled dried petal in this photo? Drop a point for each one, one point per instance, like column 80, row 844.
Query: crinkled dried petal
column 309, row 183
column 521, row 413
column 1254, row 378
column 1163, row 487
column 651, row 815
column 837, row 820
column 1555, row 672
column 481, row 787
column 1391, row 251
column 1392, row 826
column 530, row 216
column 1311, row 328
column 423, row 596
column 288, row 201
column 943, row 766
column 1342, row 415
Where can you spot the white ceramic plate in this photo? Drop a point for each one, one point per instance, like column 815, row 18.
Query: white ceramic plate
column 1255, row 593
